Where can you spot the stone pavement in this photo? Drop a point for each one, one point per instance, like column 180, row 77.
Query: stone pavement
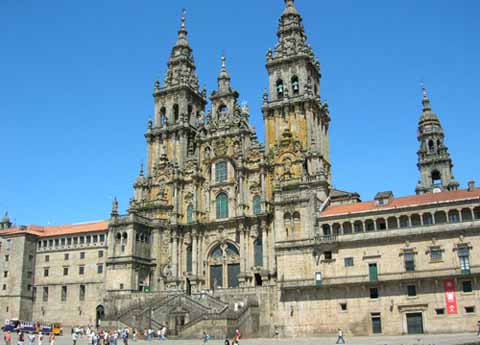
column 436, row 339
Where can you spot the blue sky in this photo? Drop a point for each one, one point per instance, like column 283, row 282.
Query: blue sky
column 76, row 80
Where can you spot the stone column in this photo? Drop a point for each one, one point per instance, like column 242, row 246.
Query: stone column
column 174, row 254
column 194, row 253
column 265, row 245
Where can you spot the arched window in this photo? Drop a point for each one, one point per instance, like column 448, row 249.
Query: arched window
column 175, row 113
column 257, row 204
column 118, row 237
column 392, row 223
column 280, row 88
column 431, row 146
column 326, row 230
column 427, row 219
column 369, row 225
column 466, row 215
column 124, row 237
column 415, row 220
column 189, row 111
column 296, row 225
column 453, row 216
column 381, row 224
column 189, row 259
column 222, row 206
column 358, row 226
column 295, row 85
column 222, row 110
column 163, row 116
column 404, row 222
column 287, row 222
column 436, row 178
column 336, row 229
column 220, row 171
column 258, row 253
column 440, row 217
column 231, row 250
column 190, row 214
column 476, row 212
column 347, row 228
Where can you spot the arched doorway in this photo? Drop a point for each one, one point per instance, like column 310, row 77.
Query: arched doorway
column 100, row 315
column 224, row 266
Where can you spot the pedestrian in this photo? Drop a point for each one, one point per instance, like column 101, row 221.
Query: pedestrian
column 8, row 338
column 51, row 339
column 21, row 338
column 40, row 338
column 134, row 334
column 31, row 339
column 206, row 337
column 237, row 335
column 226, row 342
column 340, row 337
column 74, row 338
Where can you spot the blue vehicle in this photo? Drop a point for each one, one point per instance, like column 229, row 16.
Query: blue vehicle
column 11, row 325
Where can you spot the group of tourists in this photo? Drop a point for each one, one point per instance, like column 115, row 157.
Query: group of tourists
column 160, row 334
column 105, row 337
column 235, row 340
column 32, row 338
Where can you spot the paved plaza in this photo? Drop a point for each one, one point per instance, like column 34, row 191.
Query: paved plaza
column 438, row 339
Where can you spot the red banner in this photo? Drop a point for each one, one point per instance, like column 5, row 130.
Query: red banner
column 450, row 296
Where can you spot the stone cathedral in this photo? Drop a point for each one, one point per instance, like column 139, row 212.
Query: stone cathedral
column 224, row 232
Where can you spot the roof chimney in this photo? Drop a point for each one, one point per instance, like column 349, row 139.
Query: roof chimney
column 471, row 186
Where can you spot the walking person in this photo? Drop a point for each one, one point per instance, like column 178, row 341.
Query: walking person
column 51, row 339
column 40, row 338
column 340, row 337
column 74, row 338
column 206, row 338
column 7, row 337
column 21, row 338
column 31, row 339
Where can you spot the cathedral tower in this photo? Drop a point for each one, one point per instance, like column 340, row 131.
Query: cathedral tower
column 434, row 161
column 296, row 124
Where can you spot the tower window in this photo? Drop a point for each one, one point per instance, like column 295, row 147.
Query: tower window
column 163, row 116
column 431, row 146
column 190, row 214
column 175, row 112
column 295, row 85
column 280, row 88
column 222, row 206
column 436, row 178
column 221, row 171
column 257, row 204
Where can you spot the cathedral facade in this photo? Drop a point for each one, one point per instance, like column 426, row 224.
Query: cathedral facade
column 224, row 232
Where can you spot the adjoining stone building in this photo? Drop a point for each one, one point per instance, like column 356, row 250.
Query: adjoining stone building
column 225, row 232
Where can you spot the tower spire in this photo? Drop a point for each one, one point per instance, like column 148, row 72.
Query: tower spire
column 434, row 161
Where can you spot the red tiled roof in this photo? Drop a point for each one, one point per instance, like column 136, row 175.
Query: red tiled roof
column 49, row 231
column 406, row 201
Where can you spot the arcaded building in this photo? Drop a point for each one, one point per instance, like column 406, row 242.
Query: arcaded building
column 225, row 232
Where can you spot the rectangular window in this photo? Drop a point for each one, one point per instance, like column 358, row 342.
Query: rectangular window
column 82, row 292
column 343, row 306
column 4, row 287
column 440, row 311
column 99, row 269
column 75, row 240
column 373, row 293
column 121, row 286
column 81, row 270
column 64, row 293
column 62, row 241
column 50, row 243
column 29, row 274
column 82, row 240
column 328, row 255
column 89, row 239
column 57, row 242
column 470, row 309
column 69, row 241
column 95, row 239
column 34, row 294
column 464, row 257
column 100, row 253
column 348, row 262
column 30, row 258
column 467, row 286
column 45, row 294
column 5, row 274
column 66, row 256
column 65, row 271
column 102, row 238
column 82, row 255
column 435, row 254
column 221, row 171
column 411, row 290
column 47, row 258
column 376, row 323
column 29, row 287
column 45, row 272
column 409, row 261
column 373, row 272
column 7, row 257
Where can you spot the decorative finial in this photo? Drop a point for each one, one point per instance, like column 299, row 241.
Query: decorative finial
column 425, row 99
column 224, row 66
column 114, row 207
column 184, row 13
column 141, row 169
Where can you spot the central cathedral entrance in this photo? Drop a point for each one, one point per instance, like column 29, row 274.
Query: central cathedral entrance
column 224, row 266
